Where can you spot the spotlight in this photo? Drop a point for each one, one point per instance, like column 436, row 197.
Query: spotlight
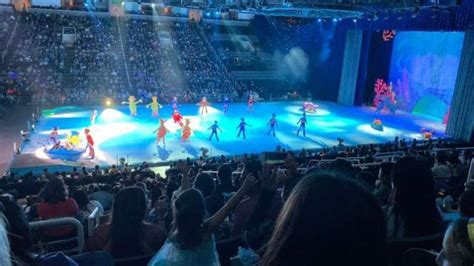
column 340, row 19
column 334, row 19
column 123, row 3
column 208, row 14
column 319, row 20
column 153, row 6
column 108, row 102
column 354, row 20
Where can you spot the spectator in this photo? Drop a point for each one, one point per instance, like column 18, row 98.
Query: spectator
column 127, row 235
column 224, row 175
column 86, row 206
column 441, row 169
column 457, row 245
column 466, row 204
column 205, row 184
column 56, row 203
column 192, row 238
column 104, row 197
column 412, row 210
column 4, row 245
column 348, row 230
column 384, row 183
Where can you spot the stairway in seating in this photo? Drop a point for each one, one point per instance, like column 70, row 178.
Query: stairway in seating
column 68, row 80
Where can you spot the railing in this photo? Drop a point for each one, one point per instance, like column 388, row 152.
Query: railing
column 93, row 221
column 68, row 221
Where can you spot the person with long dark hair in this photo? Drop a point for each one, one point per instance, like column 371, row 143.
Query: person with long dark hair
column 127, row 235
column 56, row 203
column 412, row 211
column 349, row 229
column 191, row 241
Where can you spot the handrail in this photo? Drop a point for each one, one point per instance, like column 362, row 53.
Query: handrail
column 59, row 222
column 93, row 220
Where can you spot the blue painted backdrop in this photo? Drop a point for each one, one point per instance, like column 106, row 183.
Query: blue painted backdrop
column 423, row 70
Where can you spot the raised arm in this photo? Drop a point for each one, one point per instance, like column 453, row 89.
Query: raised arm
column 214, row 221
column 184, row 170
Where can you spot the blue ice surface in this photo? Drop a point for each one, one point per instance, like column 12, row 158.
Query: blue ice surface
column 118, row 135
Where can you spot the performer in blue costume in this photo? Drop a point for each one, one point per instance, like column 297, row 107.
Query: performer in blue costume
column 302, row 122
column 214, row 129
column 241, row 128
column 272, row 123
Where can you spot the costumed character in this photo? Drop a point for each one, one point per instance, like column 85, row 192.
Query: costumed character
column 132, row 105
column 161, row 132
column 155, row 106
column 272, row 123
column 427, row 134
column 93, row 117
column 90, row 143
column 178, row 118
column 226, row 104
column 250, row 103
column 214, row 129
column 53, row 136
column 241, row 128
column 186, row 131
column 72, row 141
column 174, row 103
column 309, row 107
column 302, row 122
column 377, row 125
column 204, row 104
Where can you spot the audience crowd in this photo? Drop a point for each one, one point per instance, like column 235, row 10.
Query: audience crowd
column 303, row 208
column 112, row 59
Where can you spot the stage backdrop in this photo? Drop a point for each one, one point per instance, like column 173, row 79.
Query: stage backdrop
column 423, row 70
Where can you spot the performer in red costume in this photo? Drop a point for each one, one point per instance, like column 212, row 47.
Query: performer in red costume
column 177, row 117
column 161, row 133
column 250, row 104
column 186, row 131
column 204, row 104
column 90, row 143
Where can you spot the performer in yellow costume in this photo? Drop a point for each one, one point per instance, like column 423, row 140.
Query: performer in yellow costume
column 132, row 105
column 155, row 106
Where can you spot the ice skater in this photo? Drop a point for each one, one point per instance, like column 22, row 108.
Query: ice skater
column 214, row 129
column 53, row 135
column 161, row 133
column 132, row 105
column 93, row 117
column 226, row 104
column 174, row 103
column 302, row 122
column 155, row 106
column 186, row 131
column 250, row 103
column 272, row 123
column 203, row 105
column 241, row 128
column 90, row 143
column 178, row 118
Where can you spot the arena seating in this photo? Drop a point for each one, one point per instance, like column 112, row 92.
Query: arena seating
column 102, row 181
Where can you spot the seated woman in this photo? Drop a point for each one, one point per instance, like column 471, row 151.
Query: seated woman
column 412, row 211
column 127, row 235
column 458, row 244
column 347, row 230
column 56, row 203
column 191, row 241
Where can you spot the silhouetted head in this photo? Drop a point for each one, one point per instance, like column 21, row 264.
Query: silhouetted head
column 347, row 230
